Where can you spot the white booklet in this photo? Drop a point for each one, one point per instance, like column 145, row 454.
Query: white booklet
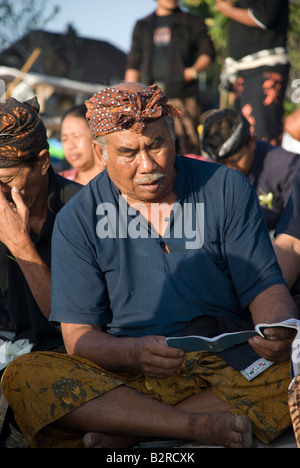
column 227, row 340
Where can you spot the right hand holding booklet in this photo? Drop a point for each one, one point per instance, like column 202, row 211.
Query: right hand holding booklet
column 226, row 340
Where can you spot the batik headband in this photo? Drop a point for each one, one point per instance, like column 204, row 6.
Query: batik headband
column 22, row 132
column 113, row 110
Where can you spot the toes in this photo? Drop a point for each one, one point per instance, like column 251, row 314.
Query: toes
column 91, row 440
column 243, row 432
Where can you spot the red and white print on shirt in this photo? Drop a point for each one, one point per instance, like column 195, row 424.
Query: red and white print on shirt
column 162, row 36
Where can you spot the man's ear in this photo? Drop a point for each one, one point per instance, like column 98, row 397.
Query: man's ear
column 44, row 158
column 99, row 153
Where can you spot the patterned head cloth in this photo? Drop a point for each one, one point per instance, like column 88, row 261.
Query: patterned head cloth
column 22, row 132
column 113, row 110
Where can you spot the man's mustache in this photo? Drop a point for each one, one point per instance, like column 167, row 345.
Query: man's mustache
column 150, row 178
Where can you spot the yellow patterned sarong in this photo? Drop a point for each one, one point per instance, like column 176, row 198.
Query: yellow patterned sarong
column 294, row 405
column 43, row 387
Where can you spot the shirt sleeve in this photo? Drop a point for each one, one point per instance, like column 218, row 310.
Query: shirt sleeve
column 204, row 42
column 265, row 12
column 79, row 293
column 134, row 57
column 251, row 259
column 290, row 220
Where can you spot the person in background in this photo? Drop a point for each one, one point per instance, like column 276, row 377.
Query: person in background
column 76, row 139
column 31, row 195
column 257, row 68
column 226, row 138
column 291, row 134
column 287, row 248
column 170, row 48
column 287, row 239
column 127, row 272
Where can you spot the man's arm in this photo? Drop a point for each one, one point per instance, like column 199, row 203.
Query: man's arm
column 38, row 276
column 287, row 249
column 150, row 355
column 14, row 233
column 202, row 63
column 132, row 75
column 275, row 304
column 241, row 15
column 134, row 57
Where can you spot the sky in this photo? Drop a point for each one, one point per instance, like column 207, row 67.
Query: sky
column 108, row 20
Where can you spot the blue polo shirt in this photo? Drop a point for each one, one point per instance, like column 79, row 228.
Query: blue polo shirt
column 110, row 269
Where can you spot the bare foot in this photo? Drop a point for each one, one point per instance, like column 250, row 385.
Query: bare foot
column 227, row 430
column 99, row 440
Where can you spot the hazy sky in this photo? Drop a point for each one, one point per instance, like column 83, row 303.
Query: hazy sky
column 110, row 20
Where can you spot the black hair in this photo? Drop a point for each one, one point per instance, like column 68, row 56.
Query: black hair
column 77, row 111
column 224, row 133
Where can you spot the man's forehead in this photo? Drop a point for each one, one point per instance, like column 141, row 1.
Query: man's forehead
column 131, row 87
column 10, row 171
column 152, row 131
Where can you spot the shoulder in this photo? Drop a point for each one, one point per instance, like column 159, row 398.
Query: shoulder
column 281, row 159
column 66, row 188
column 216, row 181
column 83, row 199
column 209, row 169
column 147, row 19
column 188, row 18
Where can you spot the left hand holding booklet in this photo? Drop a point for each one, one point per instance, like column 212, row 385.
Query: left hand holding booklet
column 227, row 340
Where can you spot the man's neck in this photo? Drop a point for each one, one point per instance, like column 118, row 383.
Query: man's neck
column 83, row 177
column 40, row 206
column 160, row 11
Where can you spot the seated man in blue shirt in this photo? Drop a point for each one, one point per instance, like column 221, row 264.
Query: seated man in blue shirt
column 151, row 244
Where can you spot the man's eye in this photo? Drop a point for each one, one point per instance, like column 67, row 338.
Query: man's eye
column 156, row 144
column 128, row 155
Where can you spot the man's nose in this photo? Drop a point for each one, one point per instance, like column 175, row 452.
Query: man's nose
column 146, row 162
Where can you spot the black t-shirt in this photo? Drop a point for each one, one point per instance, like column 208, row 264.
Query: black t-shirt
column 29, row 321
column 272, row 18
column 162, row 36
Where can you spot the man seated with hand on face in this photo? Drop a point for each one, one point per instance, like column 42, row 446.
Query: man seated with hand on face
column 128, row 270
column 31, row 194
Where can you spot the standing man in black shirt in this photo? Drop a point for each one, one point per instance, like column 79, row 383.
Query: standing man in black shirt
column 170, row 48
column 258, row 66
